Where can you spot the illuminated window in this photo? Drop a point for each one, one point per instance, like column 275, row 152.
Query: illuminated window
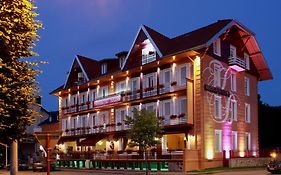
column 234, row 140
column 93, row 96
column 232, row 51
column 103, row 68
column 166, row 108
column 122, row 61
column 247, row 113
column 234, row 110
column 247, row 61
column 120, row 115
column 120, row 86
column 217, row 107
column 166, row 76
column 182, row 106
column 134, row 84
column 148, row 52
column 248, row 141
column 247, row 86
column 150, row 80
column 217, row 47
column 183, row 73
column 103, row 91
column 233, row 82
column 218, row 140
column 217, row 76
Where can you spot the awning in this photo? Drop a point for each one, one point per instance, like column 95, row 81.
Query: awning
column 91, row 141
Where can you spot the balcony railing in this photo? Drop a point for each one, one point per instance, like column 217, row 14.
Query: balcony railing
column 131, row 95
column 150, row 91
column 173, row 119
column 237, row 63
column 148, row 58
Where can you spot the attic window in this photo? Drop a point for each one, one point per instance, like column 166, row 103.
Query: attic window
column 103, row 68
column 148, row 52
column 217, row 47
column 121, row 61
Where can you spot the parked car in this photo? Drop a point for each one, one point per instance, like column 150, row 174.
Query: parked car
column 42, row 166
column 21, row 166
column 274, row 167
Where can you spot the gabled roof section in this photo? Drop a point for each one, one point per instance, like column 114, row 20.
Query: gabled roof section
column 89, row 65
column 77, row 61
column 148, row 32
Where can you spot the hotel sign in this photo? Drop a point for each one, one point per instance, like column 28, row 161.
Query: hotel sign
column 216, row 90
column 107, row 100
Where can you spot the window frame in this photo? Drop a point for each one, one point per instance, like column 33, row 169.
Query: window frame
column 218, row 143
column 217, row 47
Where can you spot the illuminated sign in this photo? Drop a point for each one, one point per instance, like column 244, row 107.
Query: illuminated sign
column 107, row 100
column 216, row 90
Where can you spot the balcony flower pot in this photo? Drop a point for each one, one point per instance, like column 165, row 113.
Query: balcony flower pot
column 148, row 89
column 173, row 116
column 181, row 115
column 161, row 118
column 138, row 91
column 95, row 127
column 119, row 124
column 128, row 151
column 73, row 129
column 173, row 83
column 88, row 102
column 161, row 86
column 66, row 130
column 110, row 152
column 120, row 152
column 129, row 93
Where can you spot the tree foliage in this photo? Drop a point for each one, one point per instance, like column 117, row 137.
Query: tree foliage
column 145, row 128
column 18, row 86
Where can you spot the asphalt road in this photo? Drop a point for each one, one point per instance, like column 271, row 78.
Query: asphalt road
column 87, row 172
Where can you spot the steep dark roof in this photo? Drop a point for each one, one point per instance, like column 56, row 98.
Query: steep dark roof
column 196, row 37
column 159, row 39
column 53, row 118
column 57, row 90
column 88, row 65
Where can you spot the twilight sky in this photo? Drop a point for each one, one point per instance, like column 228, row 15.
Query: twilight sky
column 101, row 28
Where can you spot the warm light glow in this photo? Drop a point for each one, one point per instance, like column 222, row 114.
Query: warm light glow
column 210, row 154
column 197, row 60
column 158, row 62
column 98, row 81
column 127, row 72
column 99, row 142
column 174, row 57
column 174, row 97
column 140, row 106
column 59, row 92
column 242, row 154
column 69, row 90
column 112, row 109
column 273, row 155
column 88, row 84
column 158, row 71
column 111, row 76
column 227, row 154
column 141, row 68
column 254, row 153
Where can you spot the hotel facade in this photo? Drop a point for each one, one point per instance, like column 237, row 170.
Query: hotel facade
column 202, row 85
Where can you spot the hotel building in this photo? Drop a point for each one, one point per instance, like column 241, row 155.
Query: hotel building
column 202, row 85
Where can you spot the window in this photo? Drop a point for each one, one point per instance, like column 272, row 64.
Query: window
column 120, row 86
column 218, row 139
column 93, row 96
column 122, row 61
column 74, row 100
column 74, row 123
column 247, row 86
column 66, row 102
column 182, row 106
column 148, row 52
column 83, row 122
column 217, row 107
column 234, row 140
column 103, row 68
column 166, row 108
column 217, row 76
column 248, row 141
column 167, row 76
column 232, row 51
column 103, row 91
column 120, row 115
column 82, row 98
column 234, row 110
column 247, row 113
column 233, row 82
column 150, row 80
column 217, row 47
column 134, row 84
column 247, row 61
column 183, row 74
column 94, row 120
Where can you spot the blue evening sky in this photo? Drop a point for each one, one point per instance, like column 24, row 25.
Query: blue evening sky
column 101, row 28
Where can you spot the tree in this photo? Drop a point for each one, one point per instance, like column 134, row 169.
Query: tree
column 18, row 86
column 145, row 130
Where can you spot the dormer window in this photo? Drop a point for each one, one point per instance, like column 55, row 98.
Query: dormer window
column 148, row 52
column 121, row 61
column 103, row 68
column 217, row 47
column 81, row 77
column 247, row 61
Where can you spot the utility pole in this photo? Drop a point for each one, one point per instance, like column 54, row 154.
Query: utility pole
column 14, row 158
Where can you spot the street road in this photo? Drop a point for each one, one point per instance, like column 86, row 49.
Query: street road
column 90, row 172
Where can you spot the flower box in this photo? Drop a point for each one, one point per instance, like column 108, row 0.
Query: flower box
column 128, row 151
column 120, row 152
column 161, row 86
column 181, row 115
column 119, row 124
column 148, row 89
column 173, row 116
column 161, row 118
column 173, row 83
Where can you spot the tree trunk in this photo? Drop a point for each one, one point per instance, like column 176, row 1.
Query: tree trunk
column 146, row 160
column 14, row 158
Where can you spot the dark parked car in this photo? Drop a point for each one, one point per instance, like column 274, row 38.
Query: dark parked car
column 274, row 167
column 42, row 166
column 21, row 166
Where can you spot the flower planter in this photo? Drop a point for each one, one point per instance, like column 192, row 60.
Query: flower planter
column 173, row 83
